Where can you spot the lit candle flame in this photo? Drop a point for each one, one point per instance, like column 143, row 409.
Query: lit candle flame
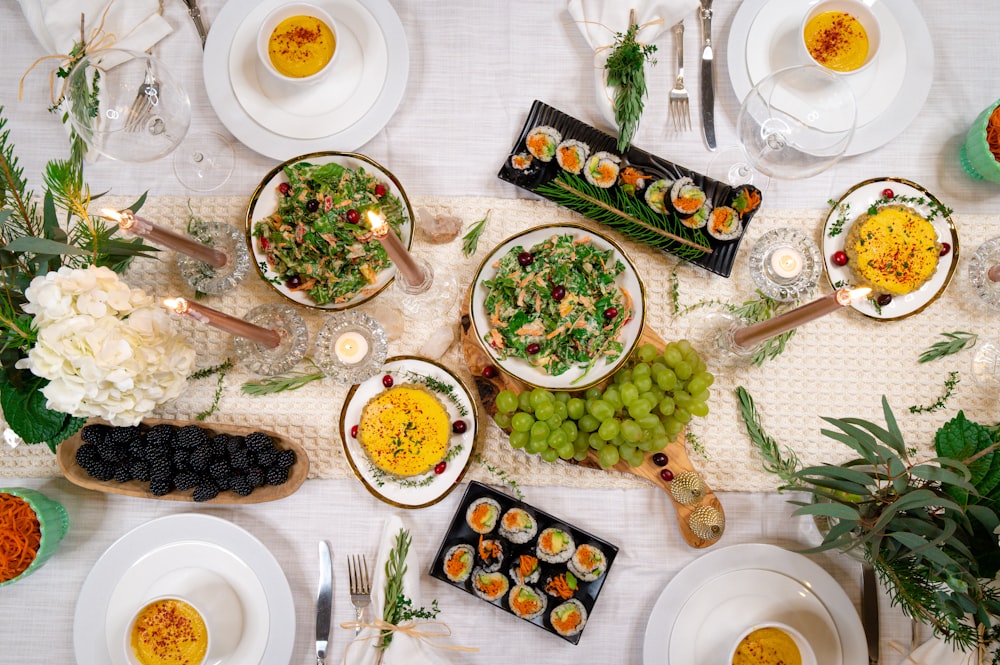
column 846, row 297
column 377, row 223
column 177, row 305
column 124, row 219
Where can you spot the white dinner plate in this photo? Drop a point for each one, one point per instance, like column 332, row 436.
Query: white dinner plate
column 428, row 488
column 134, row 567
column 343, row 112
column 890, row 93
column 661, row 628
column 854, row 203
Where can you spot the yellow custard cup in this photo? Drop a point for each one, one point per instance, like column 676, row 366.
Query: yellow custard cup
column 842, row 36
column 771, row 643
column 297, row 44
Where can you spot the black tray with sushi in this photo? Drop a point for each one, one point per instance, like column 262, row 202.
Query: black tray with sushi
column 647, row 198
column 524, row 561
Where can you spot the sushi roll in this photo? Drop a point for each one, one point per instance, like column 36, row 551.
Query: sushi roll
column 525, row 569
column 602, row 169
column 458, row 563
column 588, row 563
column 555, row 545
column 724, row 223
column 526, row 602
column 632, row 180
column 572, row 155
column 522, row 161
column 490, row 553
column 518, row 526
column 489, row 586
column 656, row 195
column 568, row 618
column 700, row 218
column 746, row 199
column 686, row 197
column 542, row 142
column 482, row 515
column 562, row 586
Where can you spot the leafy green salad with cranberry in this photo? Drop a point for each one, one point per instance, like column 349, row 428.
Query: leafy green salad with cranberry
column 318, row 240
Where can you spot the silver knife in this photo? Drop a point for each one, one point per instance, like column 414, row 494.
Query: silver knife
column 324, row 601
column 707, row 75
column 869, row 611
column 195, row 13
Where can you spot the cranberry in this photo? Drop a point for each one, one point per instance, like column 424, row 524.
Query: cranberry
column 667, row 475
column 440, row 467
column 610, row 313
column 490, row 372
column 945, row 248
column 354, row 431
column 293, row 281
column 839, row 258
column 265, row 244
column 888, row 193
column 312, row 205
column 558, row 293
column 387, row 381
column 459, row 427
column 353, row 216
column 284, row 188
column 380, row 190
column 659, row 459
column 525, row 258
column 884, row 300
column 533, row 348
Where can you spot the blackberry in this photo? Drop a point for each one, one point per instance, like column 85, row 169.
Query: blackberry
column 122, row 473
column 240, row 458
column 181, row 459
column 241, row 485
column 258, row 441
column 137, row 448
column 205, row 493
column 86, row 454
column 161, row 436
column 201, row 457
column 94, row 433
column 267, row 456
column 191, row 436
column 219, row 469
column 224, row 482
column 235, row 443
column 123, row 436
column 160, row 469
column 185, row 480
column 218, row 444
column 156, row 451
column 101, row 470
column 112, row 451
column 285, row 459
column 139, row 468
column 276, row 475
column 160, row 486
column 256, row 477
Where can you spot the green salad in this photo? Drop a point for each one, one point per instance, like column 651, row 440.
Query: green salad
column 557, row 304
column 318, row 240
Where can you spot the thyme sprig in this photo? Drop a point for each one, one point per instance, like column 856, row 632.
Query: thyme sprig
column 502, row 476
column 783, row 464
column 953, row 343
column 695, row 444
column 949, row 389
column 843, row 210
column 935, row 208
column 470, row 241
column 626, row 73
column 283, row 382
column 221, row 369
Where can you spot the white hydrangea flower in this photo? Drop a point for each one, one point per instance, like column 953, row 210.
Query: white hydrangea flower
column 107, row 350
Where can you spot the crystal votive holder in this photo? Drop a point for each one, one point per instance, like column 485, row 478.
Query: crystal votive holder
column 291, row 327
column 785, row 264
column 432, row 297
column 205, row 278
column 351, row 347
column 980, row 267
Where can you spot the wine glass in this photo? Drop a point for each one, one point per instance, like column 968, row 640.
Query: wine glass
column 126, row 105
column 204, row 161
column 795, row 123
column 984, row 275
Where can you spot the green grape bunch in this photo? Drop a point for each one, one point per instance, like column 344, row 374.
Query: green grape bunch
column 646, row 405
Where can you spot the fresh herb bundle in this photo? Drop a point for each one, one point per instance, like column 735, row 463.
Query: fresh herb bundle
column 626, row 73
column 398, row 607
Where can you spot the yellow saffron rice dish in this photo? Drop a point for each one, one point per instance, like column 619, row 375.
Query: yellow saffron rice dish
column 405, row 430
column 894, row 251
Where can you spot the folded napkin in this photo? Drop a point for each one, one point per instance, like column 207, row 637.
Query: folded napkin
column 599, row 20
column 935, row 652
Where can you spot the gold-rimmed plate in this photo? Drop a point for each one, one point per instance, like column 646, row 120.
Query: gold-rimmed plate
column 856, row 202
column 264, row 202
column 428, row 488
column 576, row 377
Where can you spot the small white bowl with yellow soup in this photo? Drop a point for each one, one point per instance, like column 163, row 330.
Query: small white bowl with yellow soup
column 771, row 643
column 842, row 36
column 297, row 44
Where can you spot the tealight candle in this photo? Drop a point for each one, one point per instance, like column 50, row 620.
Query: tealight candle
column 351, row 348
column 787, row 262
column 128, row 221
column 222, row 321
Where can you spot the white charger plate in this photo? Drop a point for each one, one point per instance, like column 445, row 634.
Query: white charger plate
column 341, row 113
column 661, row 629
column 429, row 488
column 131, row 570
column 890, row 93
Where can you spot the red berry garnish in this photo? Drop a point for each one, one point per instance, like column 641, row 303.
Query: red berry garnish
column 525, row 258
column 293, row 281
column 353, row 216
column 284, row 188
column 459, row 427
column 533, row 348
column 312, row 205
column 839, row 258
column 387, row 381
column 945, row 248
column 610, row 313
column 264, row 244
column 440, row 467
column 558, row 293
column 667, row 475
column 354, row 432
column 380, row 190
column 490, row 372
column 659, row 459
column 884, row 300
column 888, row 193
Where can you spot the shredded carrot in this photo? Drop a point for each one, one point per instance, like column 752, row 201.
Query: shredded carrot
column 993, row 133
column 528, row 564
column 488, row 549
column 20, row 535
column 457, row 564
column 558, row 586
column 631, row 176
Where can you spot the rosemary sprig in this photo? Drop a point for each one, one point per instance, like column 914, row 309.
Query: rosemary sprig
column 759, row 309
column 283, row 382
column 953, row 343
column 625, row 67
column 949, row 389
column 471, row 239
column 221, row 369
column 784, row 465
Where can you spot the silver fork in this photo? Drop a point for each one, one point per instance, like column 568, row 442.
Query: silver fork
column 361, row 587
column 146, row 99
column 680, row 111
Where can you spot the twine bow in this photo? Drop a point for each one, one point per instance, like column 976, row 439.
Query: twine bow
column 408, row 628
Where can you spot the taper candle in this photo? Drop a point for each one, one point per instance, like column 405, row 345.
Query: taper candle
column 128, row 221
column 222, row 321
column 409, row 269
column 750, row 336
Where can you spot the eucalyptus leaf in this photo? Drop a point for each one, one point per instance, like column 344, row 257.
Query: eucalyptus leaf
column 44, row 246
column 837, row 510
column 941, row 475
column 832, row 471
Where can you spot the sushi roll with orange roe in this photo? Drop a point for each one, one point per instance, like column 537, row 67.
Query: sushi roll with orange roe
column 572, row 155
column 542, row 142
column 602, row 169
column 568, row 618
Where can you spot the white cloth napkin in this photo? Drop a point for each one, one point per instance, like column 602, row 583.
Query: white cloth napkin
column 135, row 24
column 599, row 20
column 935, row 652
column 404, row 649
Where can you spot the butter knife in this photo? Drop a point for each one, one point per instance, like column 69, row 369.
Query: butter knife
column 195, row 13
column 324, row 601
column 707, row 75
column 869, row 611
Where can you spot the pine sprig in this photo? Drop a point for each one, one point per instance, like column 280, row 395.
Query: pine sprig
column 626, row 73
column 783, row 464
column 953, row 343
column 470, row 241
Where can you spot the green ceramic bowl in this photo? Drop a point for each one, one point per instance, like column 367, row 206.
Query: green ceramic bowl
column 975, row 155
column 53, row 520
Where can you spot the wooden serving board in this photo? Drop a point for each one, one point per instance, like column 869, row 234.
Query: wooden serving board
column 66, row 456
column 477, row 358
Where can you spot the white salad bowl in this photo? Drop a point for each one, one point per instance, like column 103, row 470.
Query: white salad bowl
column 575, row 378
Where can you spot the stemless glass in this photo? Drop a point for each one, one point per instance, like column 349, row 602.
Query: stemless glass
column 126, row 105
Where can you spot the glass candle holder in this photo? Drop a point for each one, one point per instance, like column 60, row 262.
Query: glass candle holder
column 785, row 264
column 984, row 272
column 206, row 278
column 431, row 297
column 351, row 347
column 294, row 336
